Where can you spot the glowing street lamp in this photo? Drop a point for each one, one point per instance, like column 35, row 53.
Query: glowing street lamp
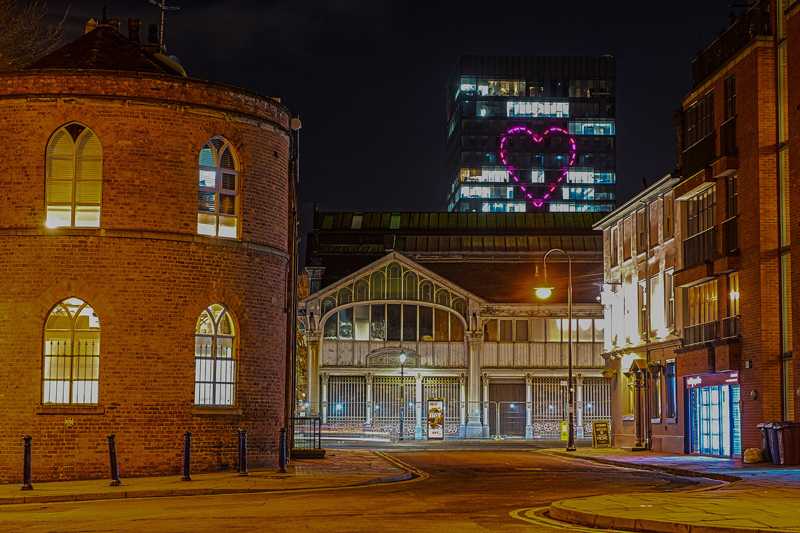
column 544, row 292
column 402, row 392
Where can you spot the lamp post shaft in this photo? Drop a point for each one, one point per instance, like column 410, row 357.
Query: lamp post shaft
column 570, row 387
column 402, row 398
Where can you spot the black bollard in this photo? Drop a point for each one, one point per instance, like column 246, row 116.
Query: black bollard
column 112, row 459
column 187, row 456
column 26, row 464
column 282, row 451
column 242, row 452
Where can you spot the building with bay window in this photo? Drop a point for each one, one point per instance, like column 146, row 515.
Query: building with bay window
column 408, row 307
column 487, row 96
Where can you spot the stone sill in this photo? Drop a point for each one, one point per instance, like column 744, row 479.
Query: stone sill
column 216, row 411
column 70, row 410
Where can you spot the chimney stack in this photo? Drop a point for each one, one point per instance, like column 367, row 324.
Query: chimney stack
column 152, row 34
column 134, row 25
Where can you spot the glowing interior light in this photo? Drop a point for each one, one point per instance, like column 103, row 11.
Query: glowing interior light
column 537, row 138
column 338, row 407
column 543, row 293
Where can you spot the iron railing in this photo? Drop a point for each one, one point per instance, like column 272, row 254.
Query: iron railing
column 307, row 432
column 700, row 333
column 699, row 248
column 730, row 327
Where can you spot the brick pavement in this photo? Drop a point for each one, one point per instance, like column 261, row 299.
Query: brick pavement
column 340, row 468
column 749, row 497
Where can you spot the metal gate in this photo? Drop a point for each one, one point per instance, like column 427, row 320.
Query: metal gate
column 388, row 402
column 549, row 406
column 596, row 402
column 347, row 399
column 507, row 409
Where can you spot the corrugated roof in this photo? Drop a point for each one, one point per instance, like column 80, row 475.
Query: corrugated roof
column 438, row 221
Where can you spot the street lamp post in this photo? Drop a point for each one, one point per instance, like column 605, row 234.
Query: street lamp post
column 402, row 392
column 544, row 292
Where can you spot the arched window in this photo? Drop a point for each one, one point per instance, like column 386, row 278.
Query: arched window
column 395, row 282
column 426, row 291
column 215, row 358
column 377, row 286
column 71, row 370
column 74, row 177
column 328, row 304
column 345, row 296
column 443, row 297
column 362, row 290
column 217, row 201
column 460, row 306
column 410, row 286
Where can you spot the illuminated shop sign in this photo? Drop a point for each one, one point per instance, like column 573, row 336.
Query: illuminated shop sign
column 710, row 380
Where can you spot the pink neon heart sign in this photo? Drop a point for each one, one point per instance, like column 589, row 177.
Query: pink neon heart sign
column 536, row 138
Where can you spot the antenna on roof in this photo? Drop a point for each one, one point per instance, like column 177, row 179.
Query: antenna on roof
column 162, row 5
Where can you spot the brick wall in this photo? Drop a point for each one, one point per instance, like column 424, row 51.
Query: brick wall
column 145, row 272
column 793, row 71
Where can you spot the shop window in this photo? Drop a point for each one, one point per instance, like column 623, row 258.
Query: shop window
column 537, row 330
column 71, row 373
column 215, row 358
column 345, row 296
column 74, row 177
column 218, row 185
column 585, row 330
column 599, row 329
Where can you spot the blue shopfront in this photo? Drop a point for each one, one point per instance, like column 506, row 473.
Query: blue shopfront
column 714, row 414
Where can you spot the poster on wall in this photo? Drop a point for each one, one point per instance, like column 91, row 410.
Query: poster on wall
column 436, row 419
column 601, row 434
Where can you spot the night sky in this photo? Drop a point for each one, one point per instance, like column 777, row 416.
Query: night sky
column 367, row 77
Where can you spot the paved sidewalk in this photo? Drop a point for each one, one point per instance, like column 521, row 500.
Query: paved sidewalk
column 749, row 498
column 339, row 469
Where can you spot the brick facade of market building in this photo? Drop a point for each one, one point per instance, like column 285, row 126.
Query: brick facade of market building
column 144, row 269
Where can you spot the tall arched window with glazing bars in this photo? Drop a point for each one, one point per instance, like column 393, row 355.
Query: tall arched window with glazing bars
column 218, row 189
column 71, row 366
column 215, row 358
column 74, row 178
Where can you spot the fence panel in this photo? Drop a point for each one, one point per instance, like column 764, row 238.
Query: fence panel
column 347, row 397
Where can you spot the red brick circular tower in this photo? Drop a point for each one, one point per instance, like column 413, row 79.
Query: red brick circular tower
column 143, row 264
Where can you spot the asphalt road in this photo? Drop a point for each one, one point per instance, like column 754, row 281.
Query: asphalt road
column 464, row 491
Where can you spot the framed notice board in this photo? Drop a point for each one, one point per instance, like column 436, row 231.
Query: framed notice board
column 601, row 434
